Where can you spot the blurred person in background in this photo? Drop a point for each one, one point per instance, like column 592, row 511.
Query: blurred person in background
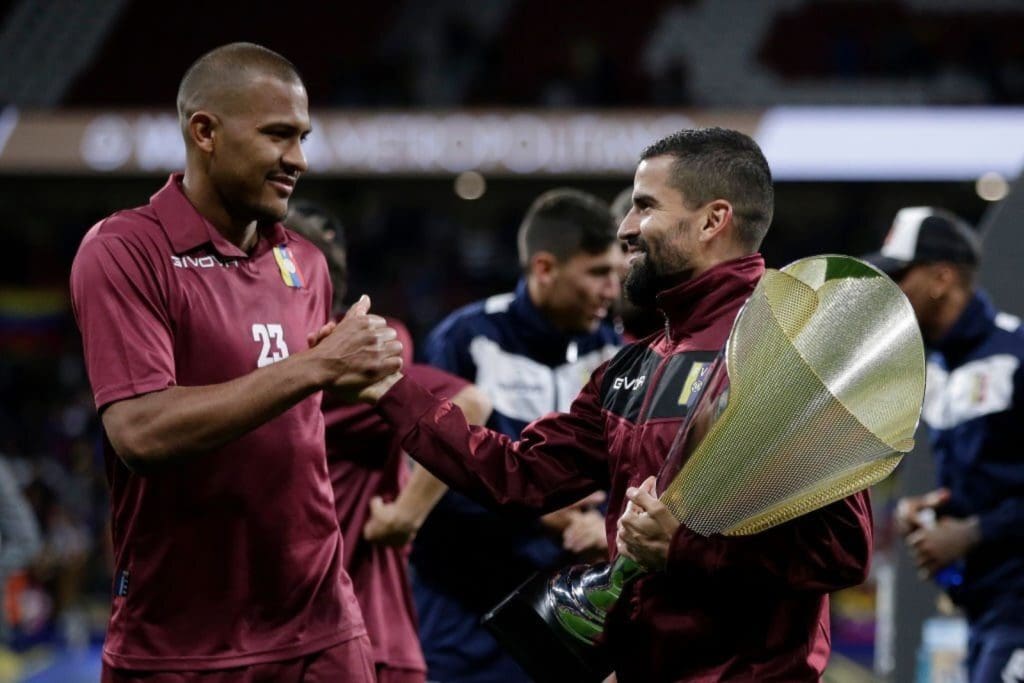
column 968, row 534
column 530, row 352
column 380, row 506
column 631, row 321
column 53, row 588
column 717, row 608
column 196, row 312
column 20, row 541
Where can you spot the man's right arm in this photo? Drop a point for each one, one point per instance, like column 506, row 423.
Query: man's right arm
column 559, row 459
column 182, row 422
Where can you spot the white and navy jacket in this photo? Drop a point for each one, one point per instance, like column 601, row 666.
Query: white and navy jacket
column 975, row 417
column 528, row 369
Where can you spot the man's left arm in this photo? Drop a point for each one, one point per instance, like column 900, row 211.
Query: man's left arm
column 951, row 538
column 822, row 551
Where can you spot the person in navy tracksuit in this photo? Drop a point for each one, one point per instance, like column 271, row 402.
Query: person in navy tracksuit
column 530, row 351
column 969, row 533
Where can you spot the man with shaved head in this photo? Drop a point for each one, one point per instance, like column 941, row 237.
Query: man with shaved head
column 206, row 333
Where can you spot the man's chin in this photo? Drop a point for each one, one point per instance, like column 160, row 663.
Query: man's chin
column 271, row 212
column 587, row 325
column 641, row 287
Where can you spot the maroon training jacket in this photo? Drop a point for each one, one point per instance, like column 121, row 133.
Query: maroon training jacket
column 751, row 608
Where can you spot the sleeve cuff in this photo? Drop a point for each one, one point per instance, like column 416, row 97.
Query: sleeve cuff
column 690, row 553
column 404, row 404
column 104, row 396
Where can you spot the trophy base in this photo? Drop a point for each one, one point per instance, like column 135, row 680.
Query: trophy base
column 524, row 623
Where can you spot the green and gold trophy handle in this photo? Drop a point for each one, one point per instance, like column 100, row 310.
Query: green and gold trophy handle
column 583, row 595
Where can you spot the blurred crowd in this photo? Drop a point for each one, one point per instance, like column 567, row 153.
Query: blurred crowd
column 55, row 569
column 529, row 53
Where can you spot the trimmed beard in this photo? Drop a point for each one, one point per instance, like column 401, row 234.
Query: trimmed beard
column 642, row 283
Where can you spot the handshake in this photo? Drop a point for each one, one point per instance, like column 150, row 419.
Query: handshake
column 358, row 358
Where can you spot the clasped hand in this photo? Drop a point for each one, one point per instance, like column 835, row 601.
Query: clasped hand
column 388, row 524
column 935, row 541
column 646, row 528
column 357, row 352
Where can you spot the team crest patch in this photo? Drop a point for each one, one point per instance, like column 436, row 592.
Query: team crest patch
column 290, row 272
column 693, row 383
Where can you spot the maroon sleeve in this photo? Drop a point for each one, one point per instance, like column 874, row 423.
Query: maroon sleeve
column 121, row 312
column 434, row 380
column 559, row 458
column 822, row 551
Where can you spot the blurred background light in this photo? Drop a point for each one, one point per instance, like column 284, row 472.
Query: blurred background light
column 470, row 185
column 992, row 186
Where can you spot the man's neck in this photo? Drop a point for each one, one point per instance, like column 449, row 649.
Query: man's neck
column 721, row 253
column 539, row 301
column 949, row 312
column 243, row 235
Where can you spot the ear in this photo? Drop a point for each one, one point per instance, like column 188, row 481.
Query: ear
column 202, row 129
column 543, row 265
column 717, row 219
column 944, row 278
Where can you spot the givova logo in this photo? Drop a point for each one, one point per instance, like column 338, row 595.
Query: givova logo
column 207, row 261
column 629, row 384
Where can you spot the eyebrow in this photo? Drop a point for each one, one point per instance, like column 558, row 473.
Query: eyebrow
column 286, row 125
column 640, row 199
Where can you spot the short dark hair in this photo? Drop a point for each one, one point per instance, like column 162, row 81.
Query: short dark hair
column 566, row 222
column 303, row 213
column 718, row 163
column 313, row 221
column 225, row 68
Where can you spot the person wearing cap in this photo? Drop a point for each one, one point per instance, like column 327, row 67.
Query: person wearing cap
column 968, row 534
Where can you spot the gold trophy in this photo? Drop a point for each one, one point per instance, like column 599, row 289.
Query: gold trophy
column 815, row 396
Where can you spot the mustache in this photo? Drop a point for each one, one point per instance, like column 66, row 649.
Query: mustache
column 638, row 243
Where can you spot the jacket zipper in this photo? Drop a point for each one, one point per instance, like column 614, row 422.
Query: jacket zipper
column 658, row 372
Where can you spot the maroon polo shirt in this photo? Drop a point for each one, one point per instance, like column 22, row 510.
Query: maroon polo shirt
column 366, row 460
column 231, row 558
